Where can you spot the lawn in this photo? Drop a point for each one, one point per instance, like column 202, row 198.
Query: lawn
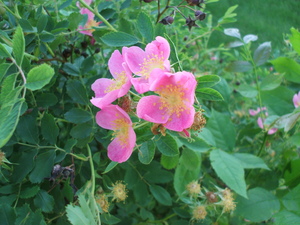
column 268, row 19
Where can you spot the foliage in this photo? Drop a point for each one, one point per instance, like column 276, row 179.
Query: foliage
column 238, row 165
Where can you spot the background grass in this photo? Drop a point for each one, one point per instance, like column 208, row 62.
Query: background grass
column 268, row 19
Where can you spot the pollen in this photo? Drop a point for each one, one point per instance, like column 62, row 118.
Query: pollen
column 119, row 191
column 121, row 130
column 228, row 203
column 199, row 212
column 102, row 202
column 151, row 62
column 193, row 188
column 172, row 99
column 117, row 83
column 90, row 24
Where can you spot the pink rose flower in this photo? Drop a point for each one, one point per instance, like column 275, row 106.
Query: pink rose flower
column 173, row 107
column 141, row 63
column 89, row 24
column 296, row 100
column 114, row 118
column 260, row 121
column 108, row 90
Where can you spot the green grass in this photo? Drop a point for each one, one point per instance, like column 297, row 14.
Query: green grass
column 268, row 19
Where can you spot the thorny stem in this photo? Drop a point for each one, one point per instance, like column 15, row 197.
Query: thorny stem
column 98, row 15
column 93, row 178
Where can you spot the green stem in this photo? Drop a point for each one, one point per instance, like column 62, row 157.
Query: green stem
column 135, row 94
column 164, row 219
column 93, row 177
column 141, row 125
column 98, row 15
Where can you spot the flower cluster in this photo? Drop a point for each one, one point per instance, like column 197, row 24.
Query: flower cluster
column 170, row 103
column 201, row 200
column 260, row 121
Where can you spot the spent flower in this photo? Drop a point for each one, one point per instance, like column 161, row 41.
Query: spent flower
column 199, row 212
column 87, row 28
column 119, row 191
column 114, row 118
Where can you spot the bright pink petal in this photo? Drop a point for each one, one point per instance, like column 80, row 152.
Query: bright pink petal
column 253, row 112
column 117, row 65
column 105, row 118
column 260, row 123
column 296, row 100
column 149, row 108
column 134, row 57
column 160, row 46
column 119, row 152
column 182, row 122
column 272, row 131
column 140, row 84
column 100, row 86
column 88, row 12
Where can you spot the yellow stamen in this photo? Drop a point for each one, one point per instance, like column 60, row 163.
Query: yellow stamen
column 118, row 82
column 150, row 63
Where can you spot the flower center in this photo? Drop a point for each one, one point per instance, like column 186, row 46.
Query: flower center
column 90, row 24
column 121, row 131
column 151, row 62
column 118, row 82
column 172, row 99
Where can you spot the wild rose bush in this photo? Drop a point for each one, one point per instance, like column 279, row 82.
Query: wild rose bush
column 120, row 112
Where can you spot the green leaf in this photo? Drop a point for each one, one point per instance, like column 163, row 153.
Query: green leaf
column 271, row 82
column 278, row 101
column 76, row 216
column 145, row 26
column 39, row 76
column 24, row 215
column 109, row 219
column 77, row 92
column 86, row 209
column 7, row 214
column 27, row 129
column 3, row 69
column 29, row 192
column 239, row 67
column 262, row 53
column 110, row 166
column 77, row 116
column 196, row 143
column 169, row 162
column 286, row 217
column 49, row 128
column 247, row 91
column 75, row 18
column 46, row 37
column 291, row 200
column 292, row 174
column 288, row 121
column 207, row 81
column 222, row 130
column 249, row 161
column 190, row 159
column 44, row 201
column 146, row 152
column 289, row 67
column 161, row 195
column 26, row 26
column 260, row 205
column 82, row 130
column 71, row 69
column 233, row 32
column 18, row 45
column 184, row 176
column 46, row 99
column 9, row 118
column 295, row 40
column 167, row 145
column 208, row 94
column 5, row 51
column 42, row 23
column 43, row 166
column 229, row 169
column 119, row 39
